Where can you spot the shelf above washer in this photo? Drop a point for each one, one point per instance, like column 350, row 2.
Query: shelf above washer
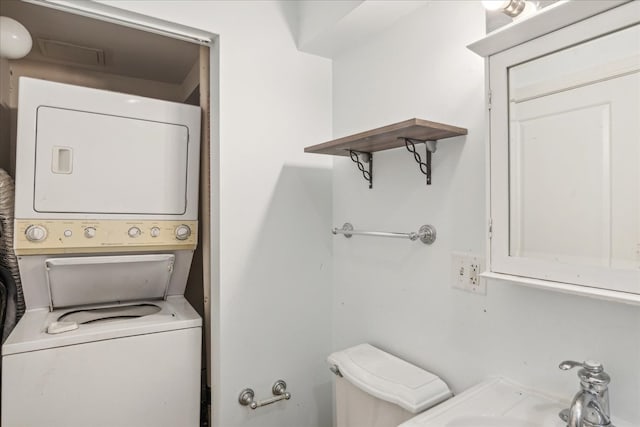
column 405, row 133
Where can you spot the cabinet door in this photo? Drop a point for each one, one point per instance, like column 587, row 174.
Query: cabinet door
column 565, row 156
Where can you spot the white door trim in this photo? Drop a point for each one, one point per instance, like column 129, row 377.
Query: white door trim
column 126, row 18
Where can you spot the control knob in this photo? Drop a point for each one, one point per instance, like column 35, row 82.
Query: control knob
column 155, row 231
column 134, row 232
column 36, row 233
column 90, row 232
column 183, row 232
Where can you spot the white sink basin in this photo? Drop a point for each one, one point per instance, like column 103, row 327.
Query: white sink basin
column 489, row 422
column 496, row 403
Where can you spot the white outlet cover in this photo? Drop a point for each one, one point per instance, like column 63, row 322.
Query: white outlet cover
column 465, row 272
column 480, row 287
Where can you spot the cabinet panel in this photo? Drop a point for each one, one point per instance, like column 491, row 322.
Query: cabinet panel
column 574, row 175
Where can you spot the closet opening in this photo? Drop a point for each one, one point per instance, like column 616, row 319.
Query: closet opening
column 102, row 47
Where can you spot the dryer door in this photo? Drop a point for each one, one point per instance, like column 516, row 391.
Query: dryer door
column 105, row 164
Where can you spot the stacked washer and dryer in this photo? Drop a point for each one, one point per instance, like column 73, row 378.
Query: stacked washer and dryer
column 105, row 229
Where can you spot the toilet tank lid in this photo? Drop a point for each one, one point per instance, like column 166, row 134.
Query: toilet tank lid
column 390, row 378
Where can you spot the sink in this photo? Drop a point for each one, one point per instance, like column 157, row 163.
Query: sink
column 498, row 402
column 481, row 421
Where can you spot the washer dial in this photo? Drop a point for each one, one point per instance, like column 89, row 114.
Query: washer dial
column 90, row 232
column 36, row 233
column 183, row 232
column 134, row 232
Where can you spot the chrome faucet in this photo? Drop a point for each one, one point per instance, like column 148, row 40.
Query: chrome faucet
column 590, row 406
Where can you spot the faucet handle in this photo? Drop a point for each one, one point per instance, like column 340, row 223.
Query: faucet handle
column 590, row 365
column 592, row 372
column 569, row 364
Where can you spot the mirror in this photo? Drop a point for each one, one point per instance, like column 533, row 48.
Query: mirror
column 574, row 154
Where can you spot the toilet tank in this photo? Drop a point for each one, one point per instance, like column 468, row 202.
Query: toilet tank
column 377, row 389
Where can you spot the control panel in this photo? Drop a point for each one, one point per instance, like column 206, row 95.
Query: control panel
column 72, row 236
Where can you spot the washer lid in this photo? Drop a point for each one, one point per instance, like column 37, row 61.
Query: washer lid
column 102, row 279
column 390, row 378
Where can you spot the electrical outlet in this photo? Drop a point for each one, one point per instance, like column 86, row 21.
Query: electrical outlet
column 474, row 271
column 465, row 272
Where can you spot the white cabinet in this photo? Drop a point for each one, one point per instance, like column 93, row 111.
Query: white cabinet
column 564, row 127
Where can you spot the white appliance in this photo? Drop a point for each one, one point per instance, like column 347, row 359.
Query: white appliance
column 105, row 229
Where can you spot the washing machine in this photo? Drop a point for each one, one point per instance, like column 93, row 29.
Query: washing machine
column 105, row 229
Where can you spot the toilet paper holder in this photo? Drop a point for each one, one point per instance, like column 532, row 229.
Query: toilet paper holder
column 279, row 391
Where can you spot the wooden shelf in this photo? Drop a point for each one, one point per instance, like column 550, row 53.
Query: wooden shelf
column 387, row 137
column 361, row 146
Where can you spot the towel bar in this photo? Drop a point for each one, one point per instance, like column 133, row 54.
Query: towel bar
column 426, row 233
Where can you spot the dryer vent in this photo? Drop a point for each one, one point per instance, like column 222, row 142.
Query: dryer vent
column 12, row 306
column 67, row 52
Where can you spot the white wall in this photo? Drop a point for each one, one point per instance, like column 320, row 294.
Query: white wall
column 320, row 16
column 327, row 27
column 271, row 306
column 396, row 294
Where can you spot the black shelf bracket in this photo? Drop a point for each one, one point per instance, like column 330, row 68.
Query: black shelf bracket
column 425, row 167
column 366, row 158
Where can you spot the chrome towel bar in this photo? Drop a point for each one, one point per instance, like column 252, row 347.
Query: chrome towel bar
column 426, row 233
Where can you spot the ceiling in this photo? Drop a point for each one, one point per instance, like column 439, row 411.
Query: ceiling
column 127, row 51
